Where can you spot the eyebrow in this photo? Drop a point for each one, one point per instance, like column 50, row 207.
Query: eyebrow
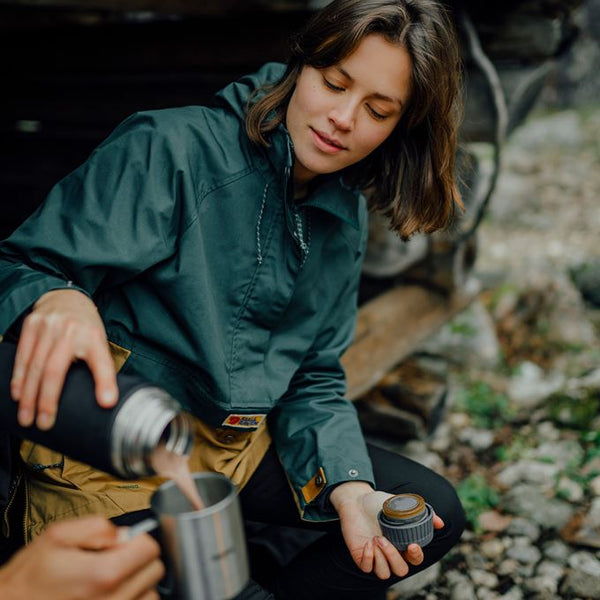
column 376, row 94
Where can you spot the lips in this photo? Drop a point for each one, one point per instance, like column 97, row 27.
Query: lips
column 326, row 143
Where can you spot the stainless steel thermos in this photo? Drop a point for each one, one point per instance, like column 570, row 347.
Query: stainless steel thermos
column 120, row 440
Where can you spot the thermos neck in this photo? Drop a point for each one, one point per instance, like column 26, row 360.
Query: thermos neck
column 147, row 418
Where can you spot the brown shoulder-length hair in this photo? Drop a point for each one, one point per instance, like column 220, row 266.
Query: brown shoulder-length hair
column 411, row 174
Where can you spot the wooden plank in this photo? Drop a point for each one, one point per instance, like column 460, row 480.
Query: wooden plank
column 392, row 325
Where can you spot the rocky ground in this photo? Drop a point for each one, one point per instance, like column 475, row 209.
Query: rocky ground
column 520, row 438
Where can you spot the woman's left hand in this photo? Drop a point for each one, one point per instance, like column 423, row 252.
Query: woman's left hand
column 358, row 505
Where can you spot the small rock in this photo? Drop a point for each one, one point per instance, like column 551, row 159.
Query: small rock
column 569, row 489
column 459, row 420
column 441, row 439
column 465, row 591
column 483, row 578
column 591, row 381
column 514, row 593
column 531, row 386
column 479, row 439
column 584, row 576
column 492, row 520
column 526, row 571
column 417, row 450
column 492, row 549
column 588, row 532
column 524, row 552
column 487, row 594
column 524, row 528
column 542, row 585
column 528, row 471
column 411, row 586
column 592, row 466
column 548, row 432
column 561, row 453
column 550, row 569
column 529, row 501
column 508, row 566
column 469, row 339
column 595, row 486
column 556, row 551
column 475, row 561
column 561, row 129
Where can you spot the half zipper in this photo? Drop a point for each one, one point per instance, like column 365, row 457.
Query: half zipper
column 11, row 499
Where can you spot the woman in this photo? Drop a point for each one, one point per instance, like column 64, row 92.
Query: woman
column 219, row 253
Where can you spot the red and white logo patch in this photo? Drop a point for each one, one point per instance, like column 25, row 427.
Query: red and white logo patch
column 244, row 421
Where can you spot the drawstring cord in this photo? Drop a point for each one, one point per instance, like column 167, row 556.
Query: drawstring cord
column 302, row 242
column 260, row 216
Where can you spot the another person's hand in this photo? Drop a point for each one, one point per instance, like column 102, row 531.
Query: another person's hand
column 83, row 559
column 358, row 505
column 63, row 326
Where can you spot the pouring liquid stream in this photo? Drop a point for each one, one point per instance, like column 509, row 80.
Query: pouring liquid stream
column 176, row 467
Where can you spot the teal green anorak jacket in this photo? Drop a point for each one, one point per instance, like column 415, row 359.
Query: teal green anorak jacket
column 233, row 297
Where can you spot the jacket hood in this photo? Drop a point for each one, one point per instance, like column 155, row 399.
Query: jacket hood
column 235, row 95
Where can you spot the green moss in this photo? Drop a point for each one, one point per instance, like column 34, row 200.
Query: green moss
column 573, row 411
column 488, row 409
column 476, row 496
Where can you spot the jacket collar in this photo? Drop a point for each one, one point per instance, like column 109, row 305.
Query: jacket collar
column 330, row 193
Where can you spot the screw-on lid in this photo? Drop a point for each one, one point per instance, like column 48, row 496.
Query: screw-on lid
column 403, row 507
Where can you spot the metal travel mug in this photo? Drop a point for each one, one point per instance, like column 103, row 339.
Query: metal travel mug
column 206, row 548
column 406, row 519
column 119, row 440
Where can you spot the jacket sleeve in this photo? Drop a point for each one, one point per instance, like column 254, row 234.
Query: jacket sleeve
column 107, row 221
column 315, row 429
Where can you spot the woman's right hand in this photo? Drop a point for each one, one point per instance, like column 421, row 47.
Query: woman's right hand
column 63, row 326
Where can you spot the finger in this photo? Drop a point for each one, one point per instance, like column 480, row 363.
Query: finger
column 101, row 365
column 57, row 365
column 381, row 567
column 393, row 557
column 33, row 376
column 25, row 347
column 366, row 564
column 135, row 553
column 414, row 554
column 143, row 581
column 438, row 523
column 149, row 595
column 88, row 533
column 136, row 560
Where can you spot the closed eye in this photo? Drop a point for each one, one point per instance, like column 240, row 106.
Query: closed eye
column 331, row 86
column 376, row 115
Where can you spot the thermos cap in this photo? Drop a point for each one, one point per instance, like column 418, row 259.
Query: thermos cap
column 403, row 507
column 406, row 519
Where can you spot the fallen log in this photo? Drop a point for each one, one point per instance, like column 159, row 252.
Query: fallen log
column 393, row 324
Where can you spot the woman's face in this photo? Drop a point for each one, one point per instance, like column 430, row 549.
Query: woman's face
column 340, row 114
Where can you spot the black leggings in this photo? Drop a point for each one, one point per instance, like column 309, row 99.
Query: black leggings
column 325, row 568
column 319, row 565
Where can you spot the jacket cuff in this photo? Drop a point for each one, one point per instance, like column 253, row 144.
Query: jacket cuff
column 313, row 499
column 22, row 298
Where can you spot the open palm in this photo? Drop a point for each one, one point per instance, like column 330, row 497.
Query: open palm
column 369, row 549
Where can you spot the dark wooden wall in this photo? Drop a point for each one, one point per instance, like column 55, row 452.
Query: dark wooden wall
column 72, row 69
column 66, row 83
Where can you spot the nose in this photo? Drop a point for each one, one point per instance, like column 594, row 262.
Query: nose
column 342, row 116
